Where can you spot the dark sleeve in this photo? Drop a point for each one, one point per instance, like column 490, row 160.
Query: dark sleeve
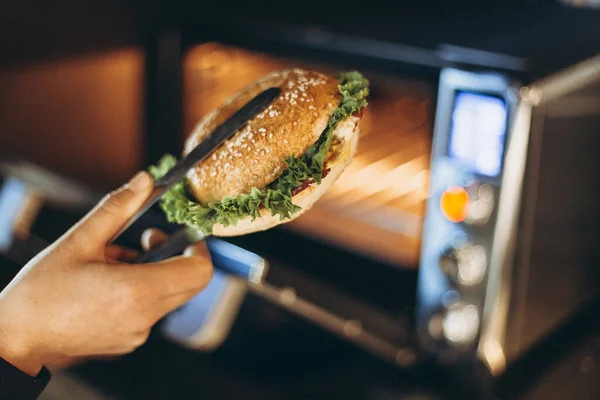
column 17, row 385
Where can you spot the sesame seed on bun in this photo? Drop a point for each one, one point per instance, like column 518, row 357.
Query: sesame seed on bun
column 280, row 163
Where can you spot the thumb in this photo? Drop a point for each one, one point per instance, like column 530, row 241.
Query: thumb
column 113, row 211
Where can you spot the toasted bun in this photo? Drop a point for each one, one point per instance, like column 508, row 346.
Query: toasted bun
column 254, row 156
column 347, row 132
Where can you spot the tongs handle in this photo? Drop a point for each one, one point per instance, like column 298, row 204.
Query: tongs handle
column 216, row 138
column 172, row 246
column 226, row 258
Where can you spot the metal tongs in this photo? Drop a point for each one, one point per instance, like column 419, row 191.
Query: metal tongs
column 177, row 242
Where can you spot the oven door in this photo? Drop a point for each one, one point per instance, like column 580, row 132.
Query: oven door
column 350, row 263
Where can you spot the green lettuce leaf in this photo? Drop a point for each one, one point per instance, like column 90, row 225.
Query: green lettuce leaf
column 179, row 207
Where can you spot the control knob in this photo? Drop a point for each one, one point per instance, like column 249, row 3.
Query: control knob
column 481, row 204
column 457, row 325
column 465, row 264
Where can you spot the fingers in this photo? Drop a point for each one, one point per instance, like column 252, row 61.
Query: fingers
column 173, row 282
column 198, row 249
column 194, row 256
column 178, row 288
column 97, row 228
column 149, row 239
column 178, row 274
column 172, row 303
column 152, row 237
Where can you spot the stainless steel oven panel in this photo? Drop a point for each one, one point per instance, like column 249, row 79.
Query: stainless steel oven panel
column 483, row 308
column 556, row 254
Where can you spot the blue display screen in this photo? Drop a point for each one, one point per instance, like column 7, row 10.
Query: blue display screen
column 478, row 132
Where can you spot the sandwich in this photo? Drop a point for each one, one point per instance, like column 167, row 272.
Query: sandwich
column 279, row 164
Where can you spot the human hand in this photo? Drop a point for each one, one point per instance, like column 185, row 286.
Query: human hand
column 80, row 297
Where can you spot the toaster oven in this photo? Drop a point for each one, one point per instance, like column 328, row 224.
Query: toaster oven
column 466, row 228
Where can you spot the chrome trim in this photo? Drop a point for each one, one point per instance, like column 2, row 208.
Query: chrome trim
column 497, row 297
column 528, row 207
column 458, row 54
column 351, row 330
column 562, row 82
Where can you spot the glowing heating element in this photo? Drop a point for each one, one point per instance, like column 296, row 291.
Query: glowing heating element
column 454, row 203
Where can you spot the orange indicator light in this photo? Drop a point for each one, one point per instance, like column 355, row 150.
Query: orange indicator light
column 454, row 204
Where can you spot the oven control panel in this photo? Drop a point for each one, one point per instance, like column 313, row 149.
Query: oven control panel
column 472, row 129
